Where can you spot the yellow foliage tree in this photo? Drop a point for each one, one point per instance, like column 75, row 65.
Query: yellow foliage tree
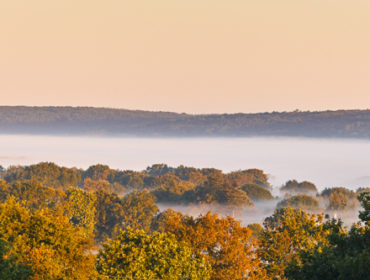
column 46, row 241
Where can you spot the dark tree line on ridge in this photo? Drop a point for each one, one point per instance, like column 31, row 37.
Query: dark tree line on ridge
column 105, row 121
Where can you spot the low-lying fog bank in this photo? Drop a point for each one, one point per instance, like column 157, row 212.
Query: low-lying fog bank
column 326, row 162
column 256, row 214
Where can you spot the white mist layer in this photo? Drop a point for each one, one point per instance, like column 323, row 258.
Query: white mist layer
column 325, row 162
column 257, row 214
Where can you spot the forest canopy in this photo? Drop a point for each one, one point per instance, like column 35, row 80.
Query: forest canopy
column 99, row 223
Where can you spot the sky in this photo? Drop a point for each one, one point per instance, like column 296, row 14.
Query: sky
column 195, row 56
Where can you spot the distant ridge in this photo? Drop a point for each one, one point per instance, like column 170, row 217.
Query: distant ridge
column 122, row 122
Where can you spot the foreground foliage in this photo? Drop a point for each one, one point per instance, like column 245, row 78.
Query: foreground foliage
column 45, row 241
column 9, row 267
column 287, row 232
column 137, row 255
column 224, row 243
column 346, row 256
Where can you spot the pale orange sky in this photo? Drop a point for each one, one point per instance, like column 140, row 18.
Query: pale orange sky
column 196, row 56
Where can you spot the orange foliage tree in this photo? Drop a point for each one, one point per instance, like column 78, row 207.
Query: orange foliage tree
column 224, row 243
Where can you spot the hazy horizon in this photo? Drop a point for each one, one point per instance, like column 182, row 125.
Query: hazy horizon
column 183, row 112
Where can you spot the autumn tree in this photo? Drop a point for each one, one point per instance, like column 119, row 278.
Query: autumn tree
column 80, row 208
column 99, row 172
column 34, row 194
column 137, row 255
column 47, row 173
column 166, row 220
column 224, row 243
column 190, row 174
column 91, row 185
column 256, row 229
column 340, row 199
column 47, row 242
column 249, row 176
column 287, row 232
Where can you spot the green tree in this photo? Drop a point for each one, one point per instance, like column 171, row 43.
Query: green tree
column 138, row 208
column 109, row 214
column 132, row 180
column 137, row 255
column 365, row 203
column 256, row 192
column 293, row 187
column 218, row 190
column 170, row 188
column 347, row 256
column 250, row 176
column 158, row 170
column 300, row 201
column 10, row 269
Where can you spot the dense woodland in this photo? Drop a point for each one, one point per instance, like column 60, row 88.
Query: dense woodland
column 101, row 223
column 104, row 121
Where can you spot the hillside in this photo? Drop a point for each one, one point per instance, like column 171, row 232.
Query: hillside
column 105, row 121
